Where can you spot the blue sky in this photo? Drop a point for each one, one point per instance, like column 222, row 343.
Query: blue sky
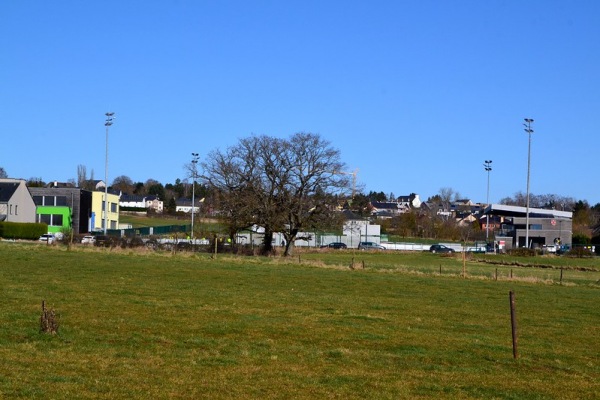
column 415, row 94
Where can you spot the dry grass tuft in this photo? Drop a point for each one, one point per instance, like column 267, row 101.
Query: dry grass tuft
column 48, row 320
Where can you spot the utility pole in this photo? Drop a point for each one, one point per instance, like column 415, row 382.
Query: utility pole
column 488, row 167
column 195, row 158
column 529, row 131
column 107, row 123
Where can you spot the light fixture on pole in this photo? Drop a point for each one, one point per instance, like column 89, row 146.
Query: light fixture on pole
column 529, row 131
column 487, row 164
column 195, row 158
column 107, row 123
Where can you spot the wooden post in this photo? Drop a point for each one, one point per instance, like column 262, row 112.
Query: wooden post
column 511, row 273
column 561, row 273
column 496, row 276
column 440, row 269
column 363, row 264
column 464, row 264
column 513, row 323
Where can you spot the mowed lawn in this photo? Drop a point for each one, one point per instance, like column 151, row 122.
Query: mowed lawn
column 140, row 325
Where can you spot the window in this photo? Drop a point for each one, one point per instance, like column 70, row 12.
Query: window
column 57, row 220
column 535, row 227
column 61, row 201
column 10, row 209
column 51, row 219
column 38, row 200
column 113, row 207
column 16, row 208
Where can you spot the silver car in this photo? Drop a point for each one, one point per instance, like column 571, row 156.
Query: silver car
column 370, row 246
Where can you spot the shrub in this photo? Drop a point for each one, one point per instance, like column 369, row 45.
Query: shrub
column 22, row 230
column 522, row 252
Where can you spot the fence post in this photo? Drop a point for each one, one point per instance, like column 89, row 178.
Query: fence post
column 513, row 323
column 561, row 273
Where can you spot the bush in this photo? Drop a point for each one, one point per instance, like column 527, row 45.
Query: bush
column 580, row 252
column 522, row 252
column 22, row 230
column 580, row 239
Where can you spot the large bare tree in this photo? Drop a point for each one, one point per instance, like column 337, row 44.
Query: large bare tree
column 123, row 183
column 283, row 185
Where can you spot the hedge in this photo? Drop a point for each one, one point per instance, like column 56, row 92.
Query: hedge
column 22, row 230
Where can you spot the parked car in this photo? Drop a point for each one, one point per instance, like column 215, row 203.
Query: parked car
column 48, row 238
column 335, row 245
column 370, row 246
column 88, row 240
column 440, row 248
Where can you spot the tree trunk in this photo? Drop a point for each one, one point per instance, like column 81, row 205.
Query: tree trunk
column 289, row 246
column 268, row 243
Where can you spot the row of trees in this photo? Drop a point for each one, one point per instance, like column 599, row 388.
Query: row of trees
column 296, row 184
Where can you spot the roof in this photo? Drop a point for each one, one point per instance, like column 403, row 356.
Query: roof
column 131, row 197
column 517, row 211
column 7, row 190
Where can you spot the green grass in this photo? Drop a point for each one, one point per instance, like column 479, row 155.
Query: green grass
column 137, row 325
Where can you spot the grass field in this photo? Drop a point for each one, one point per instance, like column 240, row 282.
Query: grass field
column 138, row 325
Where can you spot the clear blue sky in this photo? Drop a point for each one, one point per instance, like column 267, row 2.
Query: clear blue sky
column 415, row 94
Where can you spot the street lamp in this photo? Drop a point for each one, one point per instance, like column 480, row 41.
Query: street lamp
column 107, row 123
column 529, row 131
column 195, row 158
column 487, row 164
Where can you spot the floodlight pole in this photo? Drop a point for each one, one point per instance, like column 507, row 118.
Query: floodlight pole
column 195, row 158
column 529, row 131
column 488, row 167
column 107, row 123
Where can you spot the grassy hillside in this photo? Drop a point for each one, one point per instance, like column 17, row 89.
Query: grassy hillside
column 137, row 325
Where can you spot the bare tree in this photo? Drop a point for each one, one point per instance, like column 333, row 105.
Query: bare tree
column 286, row 186
column 123, row 183
column 81, row 175
column 3, row 173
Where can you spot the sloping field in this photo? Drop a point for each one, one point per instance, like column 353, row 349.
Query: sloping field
column 139, row 325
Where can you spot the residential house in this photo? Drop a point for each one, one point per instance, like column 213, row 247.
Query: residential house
column 16, row 203
column 185, row 205
column 92, row 185
column 150, row 202
column 388, row 209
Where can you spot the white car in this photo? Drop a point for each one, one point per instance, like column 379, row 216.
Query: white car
column 48, row 238
column 88, row 240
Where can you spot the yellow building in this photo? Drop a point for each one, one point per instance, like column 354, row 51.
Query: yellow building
column 98, row 216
